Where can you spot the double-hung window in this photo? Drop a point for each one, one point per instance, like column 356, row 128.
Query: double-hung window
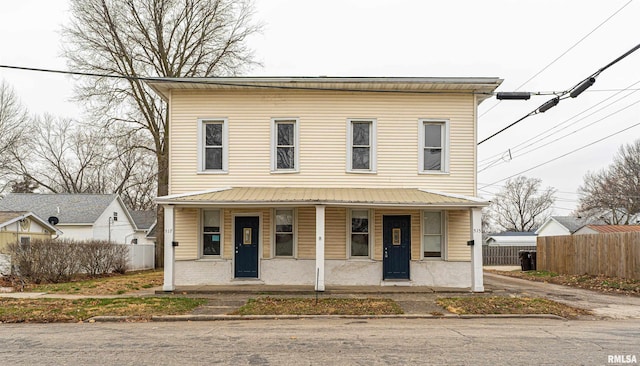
column 433, row 234
column 284, row 142
column 361, row 153
column 434, row 146
column 360, row 229
column 284, row 240
column 213, row 145
column 211, row 234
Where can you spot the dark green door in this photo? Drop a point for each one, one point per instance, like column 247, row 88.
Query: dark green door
column 396, row 241
column 246, row 243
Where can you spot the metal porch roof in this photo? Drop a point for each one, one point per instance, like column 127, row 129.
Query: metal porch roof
column 326, row 196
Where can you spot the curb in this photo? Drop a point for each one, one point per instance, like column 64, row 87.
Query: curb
column 191, row 318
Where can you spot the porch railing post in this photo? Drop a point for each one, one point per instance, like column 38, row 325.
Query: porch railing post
column 319, row 285
column 477, row 282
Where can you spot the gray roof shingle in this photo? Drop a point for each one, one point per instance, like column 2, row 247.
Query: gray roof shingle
column 143, row 219
column 572, row 223
column 77, row 208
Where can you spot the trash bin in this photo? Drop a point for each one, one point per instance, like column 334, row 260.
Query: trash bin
column 532, row 255
column 525, row 260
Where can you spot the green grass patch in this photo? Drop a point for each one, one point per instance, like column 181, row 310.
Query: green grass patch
column 62, row 310
column 309, row 306
column 508, row 305
column 115, row 284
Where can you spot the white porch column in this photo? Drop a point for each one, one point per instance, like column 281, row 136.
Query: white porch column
column 319, row 285
column 169, row 250
column 477, row 282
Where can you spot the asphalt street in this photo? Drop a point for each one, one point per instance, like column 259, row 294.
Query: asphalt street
column 323, row 341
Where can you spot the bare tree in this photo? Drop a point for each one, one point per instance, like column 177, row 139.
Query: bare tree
column 144, row 38
column 13, row 130
column 613, row 194
column 65, row 156
column 521, row 205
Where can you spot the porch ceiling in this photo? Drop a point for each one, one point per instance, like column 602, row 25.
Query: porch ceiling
column 256, row 196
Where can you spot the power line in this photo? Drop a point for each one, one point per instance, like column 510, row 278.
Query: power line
column 232, row 84
column 567, row 135
column 573, row 92
column 562, row 55
column 515, row 148
column 563, row 155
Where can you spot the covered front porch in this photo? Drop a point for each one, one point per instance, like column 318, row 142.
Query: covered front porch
column 322, row 238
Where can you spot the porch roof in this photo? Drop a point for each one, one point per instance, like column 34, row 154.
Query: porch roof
column 287, row 196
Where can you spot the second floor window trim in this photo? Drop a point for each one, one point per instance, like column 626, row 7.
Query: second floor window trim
column 361, row 145
column 433, row 143
column 285, row 145
column 213, row 145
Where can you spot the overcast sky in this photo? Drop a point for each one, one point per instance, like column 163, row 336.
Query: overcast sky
column 510, row 39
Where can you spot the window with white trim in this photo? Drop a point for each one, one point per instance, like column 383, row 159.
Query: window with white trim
column 359, row 234
column 284, row 232
column 434, row 146
column 211, row 234
column 362, row 150
column 433, row 234
column 212, row 142
column 284, row 142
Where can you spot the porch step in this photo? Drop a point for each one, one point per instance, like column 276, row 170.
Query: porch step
column 401, row 282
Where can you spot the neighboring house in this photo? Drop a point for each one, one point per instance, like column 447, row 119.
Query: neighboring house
column 512, row 239
column 561, row 225
column 145, row 221
column 78, row 216
column 22, row 227
column 606, row 229
column 323, row 181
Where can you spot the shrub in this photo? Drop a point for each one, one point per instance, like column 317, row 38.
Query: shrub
column 61, row 259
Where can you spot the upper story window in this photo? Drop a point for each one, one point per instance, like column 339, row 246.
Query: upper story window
column 433, row 234
column 434, row 146
column 361, row 150
column 284, row 142
column 213, row 145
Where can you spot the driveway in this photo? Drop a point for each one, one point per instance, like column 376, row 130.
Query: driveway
column 602, row 305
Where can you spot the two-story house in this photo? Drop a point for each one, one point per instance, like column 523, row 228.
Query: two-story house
column 323, row 181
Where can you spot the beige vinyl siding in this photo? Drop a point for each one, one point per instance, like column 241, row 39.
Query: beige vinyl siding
column 459, row 232
column 306, row 232
column 323, row 129
column 187, row 232
column 415, row 231
column 265, row 242
column 7, row 237
column 335, row 235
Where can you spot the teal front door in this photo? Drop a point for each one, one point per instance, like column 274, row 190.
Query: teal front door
column 246, row 246
column 396, row 243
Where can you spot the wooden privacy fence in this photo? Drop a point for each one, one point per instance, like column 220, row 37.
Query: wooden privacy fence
column 614, row 254
column 503, row 256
